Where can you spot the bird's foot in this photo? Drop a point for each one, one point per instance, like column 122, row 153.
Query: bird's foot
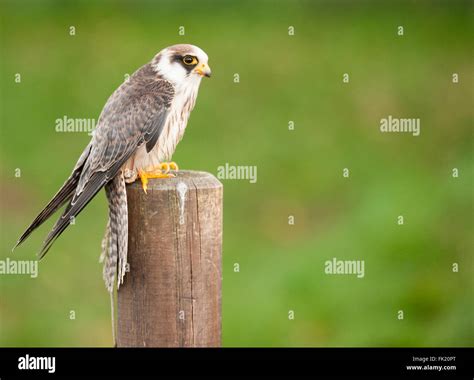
column 161, row 171
column 167, row 166
column 130, row 176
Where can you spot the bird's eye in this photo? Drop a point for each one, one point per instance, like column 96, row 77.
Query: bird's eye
column 190, row 60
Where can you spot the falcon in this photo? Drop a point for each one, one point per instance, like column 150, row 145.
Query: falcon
column 135, row 138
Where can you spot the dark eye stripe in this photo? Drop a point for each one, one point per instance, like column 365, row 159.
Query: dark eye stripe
column 179, row 58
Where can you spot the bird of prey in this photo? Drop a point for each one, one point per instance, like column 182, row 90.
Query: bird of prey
column 136, row 136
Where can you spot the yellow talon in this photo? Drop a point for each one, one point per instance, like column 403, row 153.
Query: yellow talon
column 161, row 171
column 144, row 179
column 164, row 166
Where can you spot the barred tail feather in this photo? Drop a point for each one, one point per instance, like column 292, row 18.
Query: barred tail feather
column 122, row 231
column 115, row 242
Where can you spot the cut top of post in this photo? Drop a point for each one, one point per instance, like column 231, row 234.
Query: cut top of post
column 196, row 179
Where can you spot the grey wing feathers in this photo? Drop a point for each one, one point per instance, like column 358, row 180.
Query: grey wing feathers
column 64, row 194
column 134, row 115
column 126, row 123
column 155, row 131
column 73, row 209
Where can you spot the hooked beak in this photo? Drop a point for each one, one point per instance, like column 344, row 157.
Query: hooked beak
column 203, row 70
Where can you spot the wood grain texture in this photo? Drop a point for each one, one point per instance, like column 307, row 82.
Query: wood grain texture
column 171, row 296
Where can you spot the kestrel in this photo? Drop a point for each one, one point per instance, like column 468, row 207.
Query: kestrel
column 136, row 136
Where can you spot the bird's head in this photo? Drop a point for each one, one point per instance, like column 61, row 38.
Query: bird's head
column 181, row 64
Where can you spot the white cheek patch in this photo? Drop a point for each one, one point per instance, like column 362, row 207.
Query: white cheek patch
column 171, row 71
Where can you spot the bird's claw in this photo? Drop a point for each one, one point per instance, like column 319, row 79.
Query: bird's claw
column 161, row 171
column 167, row 166
column 130, row 176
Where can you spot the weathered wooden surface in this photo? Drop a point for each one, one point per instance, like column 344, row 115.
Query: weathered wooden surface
column 171, row 297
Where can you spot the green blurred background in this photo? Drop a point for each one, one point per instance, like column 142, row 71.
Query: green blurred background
column 282, row 78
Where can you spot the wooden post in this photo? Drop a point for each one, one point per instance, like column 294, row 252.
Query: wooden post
column 171, row 297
